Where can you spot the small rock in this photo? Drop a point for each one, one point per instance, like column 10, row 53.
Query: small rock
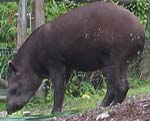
column 3, row 114
column 54, row 118
column 26, row 113
column 112, row 119
column 80, row 114
column 102, row 116
column 146, row 106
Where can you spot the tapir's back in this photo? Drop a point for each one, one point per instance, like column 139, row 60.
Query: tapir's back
column 106, row 17
column 89, row 33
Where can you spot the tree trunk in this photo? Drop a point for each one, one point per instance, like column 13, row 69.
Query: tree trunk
column 146, row 55
column 38, row 17
column 21, row 23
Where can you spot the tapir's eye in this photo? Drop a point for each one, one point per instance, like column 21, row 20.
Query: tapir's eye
column 17, row 73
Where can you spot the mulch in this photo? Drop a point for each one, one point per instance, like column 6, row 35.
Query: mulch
column 133, row 109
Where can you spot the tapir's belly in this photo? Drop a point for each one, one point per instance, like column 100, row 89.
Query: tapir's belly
column 85, row 61
column 84, row 64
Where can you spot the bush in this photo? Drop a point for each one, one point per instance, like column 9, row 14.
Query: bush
column 54, row 9
column 7, row 22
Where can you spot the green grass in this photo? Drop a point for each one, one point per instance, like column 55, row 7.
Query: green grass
column 82, row 104
column 143, row 89
column 2, row 106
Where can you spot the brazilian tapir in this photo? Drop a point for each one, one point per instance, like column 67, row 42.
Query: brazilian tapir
column 96, row 36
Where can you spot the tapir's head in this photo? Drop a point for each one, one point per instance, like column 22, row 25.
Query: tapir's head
column 22, row 85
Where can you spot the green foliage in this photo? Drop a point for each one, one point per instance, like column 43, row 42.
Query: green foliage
column 140, row 9
column 76, row 90
column 54, row 9
column 50, row 95
column 35, row 102
column 2, row 106
column 139, row 87
column 77, row 87
column 135, row 82
column 7, row 33
column 7, row 22
column 3, row 66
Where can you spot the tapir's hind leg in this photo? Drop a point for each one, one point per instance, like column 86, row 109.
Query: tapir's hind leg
column 117, row 84
column 60, row 76
column 122, row 89
column 112, row 76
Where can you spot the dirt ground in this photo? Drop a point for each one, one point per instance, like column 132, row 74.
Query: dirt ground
column 133, row 109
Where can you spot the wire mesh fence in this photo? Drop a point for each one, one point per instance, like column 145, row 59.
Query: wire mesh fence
column 5, row 54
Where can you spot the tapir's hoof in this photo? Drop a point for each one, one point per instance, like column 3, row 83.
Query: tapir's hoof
column 55, row 111
column 105, row 104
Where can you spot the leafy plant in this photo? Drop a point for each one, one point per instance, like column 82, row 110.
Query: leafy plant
column 7, row 22
column 7, row 34
column 2, row 106
column 54, row 9
column 140, row 9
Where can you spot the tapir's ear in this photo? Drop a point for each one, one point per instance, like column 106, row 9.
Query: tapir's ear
column 12, row 66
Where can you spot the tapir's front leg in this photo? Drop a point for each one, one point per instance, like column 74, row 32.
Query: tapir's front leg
column 59, row 78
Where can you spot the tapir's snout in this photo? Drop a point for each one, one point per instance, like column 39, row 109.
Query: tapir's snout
column 11, row 108
column 16, row 102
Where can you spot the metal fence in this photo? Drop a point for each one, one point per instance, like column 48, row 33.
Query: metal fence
column 4, row 52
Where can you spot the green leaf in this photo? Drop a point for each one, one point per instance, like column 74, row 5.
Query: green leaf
column 147, row 34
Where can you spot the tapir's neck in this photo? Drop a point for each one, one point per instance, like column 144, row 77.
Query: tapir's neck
column 26, row 58
column 22, row 57
column 27, row 55
column 27, row 51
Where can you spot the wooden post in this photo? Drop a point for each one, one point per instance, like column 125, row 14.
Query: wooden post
column 38, row 17
column 21, row 22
